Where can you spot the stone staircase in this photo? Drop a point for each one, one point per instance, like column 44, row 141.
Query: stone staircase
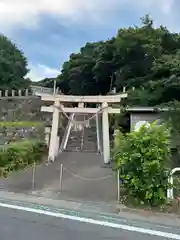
column 90, row 139
column 82, row 140
column 74, row 141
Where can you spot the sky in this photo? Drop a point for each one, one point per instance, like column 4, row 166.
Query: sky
column 48, row 31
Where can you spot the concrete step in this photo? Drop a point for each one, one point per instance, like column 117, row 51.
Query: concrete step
column 88, row 135
column 90, row 141
column 74, row 141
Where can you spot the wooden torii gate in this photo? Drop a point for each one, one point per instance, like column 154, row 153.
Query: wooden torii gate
column 58, row 106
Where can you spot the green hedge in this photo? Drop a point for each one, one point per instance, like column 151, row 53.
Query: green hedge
column 19, row 155
column 143, row 160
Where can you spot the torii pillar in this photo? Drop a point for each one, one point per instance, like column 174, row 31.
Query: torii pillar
column 54, row 133
column 105, row 127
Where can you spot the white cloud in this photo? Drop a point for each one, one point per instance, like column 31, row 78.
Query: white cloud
column 39, row 71
column 27, row 12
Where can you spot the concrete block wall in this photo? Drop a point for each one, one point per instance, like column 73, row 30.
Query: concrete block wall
column 20, row 93
column 148, row 117
column 151, row 117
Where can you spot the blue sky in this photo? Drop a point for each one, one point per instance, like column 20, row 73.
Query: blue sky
column 48, row 31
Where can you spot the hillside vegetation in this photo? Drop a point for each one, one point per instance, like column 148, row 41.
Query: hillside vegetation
column 143, row 57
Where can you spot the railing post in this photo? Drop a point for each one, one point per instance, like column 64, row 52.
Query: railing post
column 118, row 186
column 19, row 93
column 170, row 194
column 60, row 177
column 13, row 93
column 26, row 92
column 6, row 93
column 33, row 175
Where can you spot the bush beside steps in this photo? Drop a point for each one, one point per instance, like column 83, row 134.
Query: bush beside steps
column 143, row 158
column 20, row 155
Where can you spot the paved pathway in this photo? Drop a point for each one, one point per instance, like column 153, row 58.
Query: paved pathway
column 80, row 181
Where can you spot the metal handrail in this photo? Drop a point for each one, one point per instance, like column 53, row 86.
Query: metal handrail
column 67, row 133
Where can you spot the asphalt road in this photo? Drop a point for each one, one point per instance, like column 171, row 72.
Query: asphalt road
column 20, row 225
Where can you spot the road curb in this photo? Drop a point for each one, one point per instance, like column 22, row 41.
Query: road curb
column 168, row 219
column 145, row 212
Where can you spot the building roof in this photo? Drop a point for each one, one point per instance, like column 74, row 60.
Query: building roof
column 146, row 109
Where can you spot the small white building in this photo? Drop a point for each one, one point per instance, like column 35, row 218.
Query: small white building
column 149, row 115
column 146, row 114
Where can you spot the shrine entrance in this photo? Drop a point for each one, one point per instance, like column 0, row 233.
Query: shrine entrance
column 58, row 107
column 76, row 173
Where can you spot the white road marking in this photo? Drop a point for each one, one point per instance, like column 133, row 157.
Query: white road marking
column 95, row 222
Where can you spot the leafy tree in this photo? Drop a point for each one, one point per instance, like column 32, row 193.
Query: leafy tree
column 143, row 57
column 46, row 82
column 13, row 65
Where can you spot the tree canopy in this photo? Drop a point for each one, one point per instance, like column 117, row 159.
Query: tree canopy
column 13, row 65
column 141, row 57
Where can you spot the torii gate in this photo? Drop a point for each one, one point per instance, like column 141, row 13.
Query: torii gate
column 58, row 106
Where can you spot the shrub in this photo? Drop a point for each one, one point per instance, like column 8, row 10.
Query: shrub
column 19, row 155
column 143, row 159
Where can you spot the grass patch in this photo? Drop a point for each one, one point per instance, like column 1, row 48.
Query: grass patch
column 21, row 124
column 19, row 155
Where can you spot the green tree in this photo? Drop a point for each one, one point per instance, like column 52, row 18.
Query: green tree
column 13, row 65
column 142, row 57
column 46, row 82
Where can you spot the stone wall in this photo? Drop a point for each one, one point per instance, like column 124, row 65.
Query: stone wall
column 25, row 110
column 21, row 110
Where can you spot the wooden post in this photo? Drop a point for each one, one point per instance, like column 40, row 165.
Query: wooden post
column 13, row 93
column 26, row 92
column 118, row 186
column 60, row 177
column 33, row 175
column 19, row 93
column 6, row 93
